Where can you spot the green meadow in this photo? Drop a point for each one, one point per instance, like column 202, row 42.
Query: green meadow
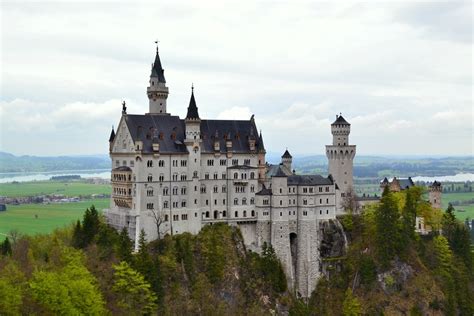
column 52, row 187
column 462, row 211
column 50, row 216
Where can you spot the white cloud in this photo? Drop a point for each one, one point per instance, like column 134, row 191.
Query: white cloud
column 389, row 67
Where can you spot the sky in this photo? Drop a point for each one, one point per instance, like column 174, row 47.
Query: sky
column 399, row 71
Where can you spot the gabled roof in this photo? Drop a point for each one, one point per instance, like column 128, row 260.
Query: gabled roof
column 340, row 121
column 260, row 145
column 436, row 184
column 192, row 108
column 406, row 183
column 157, row 70
column 264, row 191
column 286, row 154
column 315, row 179
column 275, row 170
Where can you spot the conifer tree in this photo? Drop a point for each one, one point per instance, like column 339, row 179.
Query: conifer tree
column 6, row 247
column 387, row 221
column 409, row 218
column 125, row 246
column 142, row 260
column 77, row 236
column 90, row 225
column 351, row 305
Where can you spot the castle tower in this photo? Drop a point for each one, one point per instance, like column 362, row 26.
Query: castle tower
column 341, row 155
column 287, row 160
column 157, row 90
column 436, row 190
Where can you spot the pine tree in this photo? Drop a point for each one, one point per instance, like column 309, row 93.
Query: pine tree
column 6, row 247
column 77, row 236
column 387, row 227
column 90, row 225
column 409, row 218
column 351, row 305
column 142, row 260
column 125, row 246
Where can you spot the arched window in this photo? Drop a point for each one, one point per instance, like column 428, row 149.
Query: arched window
column 236, row 175
column 253, row 213
column 252, row 175
column 245, row 213
column 150, row 178
column 207, row 214
column 224, row 213
column 252, row 201
column 216, row 214
column 244, row 201
column 165, row 191
column 236, row 201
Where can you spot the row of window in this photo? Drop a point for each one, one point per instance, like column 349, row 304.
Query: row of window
column 122, row 191
column 121, row 177
column 183, row 163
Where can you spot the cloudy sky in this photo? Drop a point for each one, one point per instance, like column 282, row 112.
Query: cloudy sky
column 399, row 71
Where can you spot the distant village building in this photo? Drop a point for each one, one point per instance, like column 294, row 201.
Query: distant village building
column 173, row 175
column 3, row 207
column 397, row 185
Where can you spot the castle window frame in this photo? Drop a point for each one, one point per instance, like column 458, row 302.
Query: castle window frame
column 223, row 162
column 149, row 163
column 236, row 214
column 165, row 191
column 216, row 176
column 236, row 201
column 244, row 201
column 252, row 201
column 235, row 162
column 150, row 178
column 224, row 189
column 236, row 175
column 165, row 204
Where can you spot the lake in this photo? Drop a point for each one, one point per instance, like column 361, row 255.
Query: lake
column 105, row 174
column 41, row 176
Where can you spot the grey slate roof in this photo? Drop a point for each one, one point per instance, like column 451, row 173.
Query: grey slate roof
column 406, row 183
column 264, row 191
column 169, row 132
column 286, row 154
column 192, row 108
column 122, row 168
column 340, row 121
column 273, row 170
column 436, row 184
column 112, row 135
column 309, row 180
column 157, row 70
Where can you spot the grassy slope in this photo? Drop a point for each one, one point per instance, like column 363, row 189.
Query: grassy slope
column 52, row 187
column 50, row 216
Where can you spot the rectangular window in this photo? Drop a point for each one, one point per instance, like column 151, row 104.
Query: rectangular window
column 235, row 162
column 223, row 162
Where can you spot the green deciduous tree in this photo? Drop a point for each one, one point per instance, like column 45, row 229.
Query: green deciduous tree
column 135, row 296
column 71, row 290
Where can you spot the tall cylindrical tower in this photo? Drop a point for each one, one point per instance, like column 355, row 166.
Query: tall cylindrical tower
column 340, row 156
column 157, row 90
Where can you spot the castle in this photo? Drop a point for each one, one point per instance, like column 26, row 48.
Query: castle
column 173, row 175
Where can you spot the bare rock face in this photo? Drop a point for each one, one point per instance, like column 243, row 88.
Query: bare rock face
column 333, row 246
column 333, row 239
column 393, row 280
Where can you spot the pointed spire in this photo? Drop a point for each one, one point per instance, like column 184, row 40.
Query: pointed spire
column 192, row 108
column 112, row 135
column 261, row 146
column 157, row 70
column 286, row 154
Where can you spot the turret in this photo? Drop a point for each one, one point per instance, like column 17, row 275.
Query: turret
column 157, row 90
column 340, row 131
column 340, row 158
column 111, row 139
column 435, row 192
column 286, row 160
column 192, row 121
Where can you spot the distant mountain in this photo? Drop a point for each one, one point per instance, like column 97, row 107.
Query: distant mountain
column 12, row 163
column 364, row 166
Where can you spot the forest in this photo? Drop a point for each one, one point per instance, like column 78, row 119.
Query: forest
column 388, row 269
